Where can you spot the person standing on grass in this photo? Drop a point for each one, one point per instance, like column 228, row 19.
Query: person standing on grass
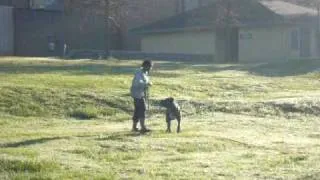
column 138, row 91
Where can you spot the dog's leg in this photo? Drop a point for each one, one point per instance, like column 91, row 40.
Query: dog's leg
column 179, row 120
column 168, row 123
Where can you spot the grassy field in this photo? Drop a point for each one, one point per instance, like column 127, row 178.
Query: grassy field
column 71, row 120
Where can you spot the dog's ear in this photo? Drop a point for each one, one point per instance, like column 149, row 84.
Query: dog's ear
column 171, row 99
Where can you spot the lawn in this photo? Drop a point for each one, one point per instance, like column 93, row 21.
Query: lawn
column 71, row 119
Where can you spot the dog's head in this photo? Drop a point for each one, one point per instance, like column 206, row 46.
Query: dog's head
column 168, row 102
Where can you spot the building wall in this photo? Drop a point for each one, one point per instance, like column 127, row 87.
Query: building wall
column 274, row 43
column 314, row 45
column 20, row 3
column 191, row 4
column 264, row 44
column 186, row 5
column 54, row 5
column 5, row 2
column 293, row 52
column 139, row 12
column 180, row 43
column 33, row 31
column 255, row 44
column 36, row 28
column 85, row 32
column 6, row 31
column 37, row 4
column 142, row 12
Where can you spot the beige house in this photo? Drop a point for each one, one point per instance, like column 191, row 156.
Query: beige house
column 142, row 12
column 241, row 31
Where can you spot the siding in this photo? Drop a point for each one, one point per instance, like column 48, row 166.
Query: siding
column 20, row 3
column 34, row 29
column 314, row 46
column 264, row 44
column 6, row 31
column 5, row 2
column 180, row 43
column 191, row 4
column 255, row 44
column 272, row 44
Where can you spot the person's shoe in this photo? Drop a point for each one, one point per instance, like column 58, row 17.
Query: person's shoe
column 145, row 130
column 135, row 130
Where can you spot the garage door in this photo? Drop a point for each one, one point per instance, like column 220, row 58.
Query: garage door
column 6, row 30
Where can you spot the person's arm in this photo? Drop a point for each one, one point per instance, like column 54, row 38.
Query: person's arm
column 140, row 80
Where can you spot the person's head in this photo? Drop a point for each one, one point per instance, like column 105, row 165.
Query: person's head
column 147, row 65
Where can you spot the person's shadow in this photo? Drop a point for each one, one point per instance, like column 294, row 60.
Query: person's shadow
column 30, row 142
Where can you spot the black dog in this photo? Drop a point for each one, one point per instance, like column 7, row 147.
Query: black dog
column 172, row 112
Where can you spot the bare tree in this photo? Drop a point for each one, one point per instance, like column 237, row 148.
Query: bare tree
column 123, row 14
column 112, row 12
column 107, row 29
column 226, row 21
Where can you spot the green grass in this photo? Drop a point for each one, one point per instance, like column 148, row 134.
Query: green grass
column 72, row 119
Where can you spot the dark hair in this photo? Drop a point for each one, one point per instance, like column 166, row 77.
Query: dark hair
column 147, row 63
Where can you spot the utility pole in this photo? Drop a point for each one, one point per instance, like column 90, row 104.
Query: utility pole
column 107, row 28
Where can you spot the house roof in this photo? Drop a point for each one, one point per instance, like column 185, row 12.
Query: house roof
column 288, row 9
column 238, row 13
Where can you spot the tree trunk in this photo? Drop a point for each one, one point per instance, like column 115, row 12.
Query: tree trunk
column 318, row 28
column 107, row 28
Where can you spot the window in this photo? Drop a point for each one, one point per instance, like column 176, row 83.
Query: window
column 246, row 35
column 295, row 39
column 191, row 4
column 185, row 5
column 46, row 4
column 38, row 4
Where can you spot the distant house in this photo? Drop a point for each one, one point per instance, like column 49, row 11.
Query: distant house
column 241, row 31
column 141, row 12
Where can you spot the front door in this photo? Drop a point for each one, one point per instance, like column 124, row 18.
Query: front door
column 227, row 45
column 234, row 45
column 305, row 42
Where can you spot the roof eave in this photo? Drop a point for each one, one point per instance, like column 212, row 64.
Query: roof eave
column 175, row 30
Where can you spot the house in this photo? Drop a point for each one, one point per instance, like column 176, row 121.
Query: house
column 142, row 12
column 42, row 27
column 237, row 31
column 136, row 13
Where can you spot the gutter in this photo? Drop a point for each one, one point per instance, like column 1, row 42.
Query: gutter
column 173, row 30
